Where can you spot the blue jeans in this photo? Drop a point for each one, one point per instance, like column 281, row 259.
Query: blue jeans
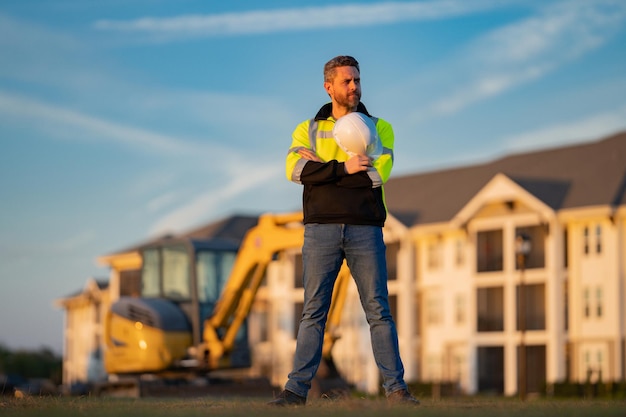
column 325, row 247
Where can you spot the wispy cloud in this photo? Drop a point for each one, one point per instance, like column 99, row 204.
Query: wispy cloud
column 162, row 188
column 527, row 50
column 162, row 201
column 294, row 19
column 210, row 201
column 592, row 127
column 72, row 70
column 61, row 121
column 484, row 87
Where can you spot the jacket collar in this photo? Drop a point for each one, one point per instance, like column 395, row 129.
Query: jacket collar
column 326, row 111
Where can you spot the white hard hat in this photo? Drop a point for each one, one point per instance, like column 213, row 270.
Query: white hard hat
column 356, row 134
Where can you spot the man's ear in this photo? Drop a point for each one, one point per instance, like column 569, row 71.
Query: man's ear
column 328, row 87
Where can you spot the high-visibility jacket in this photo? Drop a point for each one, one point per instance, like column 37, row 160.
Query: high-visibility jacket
column 331, row 195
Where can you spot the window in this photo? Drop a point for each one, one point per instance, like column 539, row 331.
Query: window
column 490, row 307
column 458, row 364
column 298, row 309
column 150, row 275
column 459, row 309
column 433, row 367
column 460, row 252
column 165, row 272
column 586, row 240
column 532, row 309
column 598, row 239
column 434, row 255
column 565, row 306
column 298, row 272
column 418, row 298
column 586, row 303
column 392, row 260
column 565, row 248
column 262, row 323
column 213, row 270
column 176, row 277
column 130, row 282
column 489, row 250
column 433, row 310
column 599, row 307
column 537, row 236
column 490, row 363
column 535, row 366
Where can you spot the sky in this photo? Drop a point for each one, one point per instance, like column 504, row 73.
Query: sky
column 121, row 121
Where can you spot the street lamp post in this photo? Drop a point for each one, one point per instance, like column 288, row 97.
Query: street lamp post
column 522, row 250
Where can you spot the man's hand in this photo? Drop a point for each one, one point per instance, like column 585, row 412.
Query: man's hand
column 358, row 163
column 309, row 154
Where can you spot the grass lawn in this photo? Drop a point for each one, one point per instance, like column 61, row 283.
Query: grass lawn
column 253, row 407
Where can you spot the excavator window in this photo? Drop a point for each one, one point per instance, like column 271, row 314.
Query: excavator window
column 212, row 272
column 150, row 274
column 165, row 273
column 176, row 279
column 213, row 269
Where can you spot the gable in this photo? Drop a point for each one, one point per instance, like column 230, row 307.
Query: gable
column 501, row 196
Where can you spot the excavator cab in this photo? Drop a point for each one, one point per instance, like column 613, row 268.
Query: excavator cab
column 181, row 282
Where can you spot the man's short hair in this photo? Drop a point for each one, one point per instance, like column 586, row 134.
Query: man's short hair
column 339, row 61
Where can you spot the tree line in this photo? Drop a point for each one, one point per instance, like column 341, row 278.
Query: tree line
column 27, row 365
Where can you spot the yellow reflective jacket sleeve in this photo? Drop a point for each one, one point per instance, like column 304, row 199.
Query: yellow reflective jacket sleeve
column 299, row 140
column 384, row 163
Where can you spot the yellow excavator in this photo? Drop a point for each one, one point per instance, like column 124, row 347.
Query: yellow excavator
column 190, row 318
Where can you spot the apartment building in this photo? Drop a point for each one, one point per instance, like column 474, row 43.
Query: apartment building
column 519, row 268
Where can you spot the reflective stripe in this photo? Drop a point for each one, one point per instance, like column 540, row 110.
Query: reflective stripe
column 377, row 181
column 315, row 134
column 312, row 133
column 295, row 149
column 296, row 175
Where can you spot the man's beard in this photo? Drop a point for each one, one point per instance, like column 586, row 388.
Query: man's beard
column 349, row 101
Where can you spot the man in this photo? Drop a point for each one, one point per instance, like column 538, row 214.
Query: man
column 344, row 212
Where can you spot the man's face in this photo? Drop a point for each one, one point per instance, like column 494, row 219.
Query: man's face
column 345, row 88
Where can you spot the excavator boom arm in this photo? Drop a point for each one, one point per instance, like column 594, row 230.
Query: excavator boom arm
column 272, row 234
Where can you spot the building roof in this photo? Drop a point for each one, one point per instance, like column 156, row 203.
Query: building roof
column 583, row 175
column 92, row 285
column 230, row 228
column 227, row 232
